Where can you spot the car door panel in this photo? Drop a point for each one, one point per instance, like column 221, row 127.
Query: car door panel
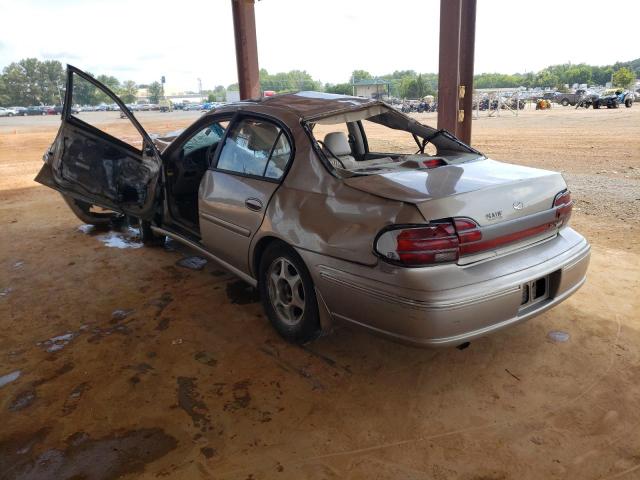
column 229, row 216
column 91, row 165
column 234, row 194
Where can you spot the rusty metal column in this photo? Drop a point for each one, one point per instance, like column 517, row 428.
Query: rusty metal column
column 244, row 26
column 449, row 64
column 467, row 50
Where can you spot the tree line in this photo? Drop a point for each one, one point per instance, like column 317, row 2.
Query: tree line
column 34, row 82
column 411, row 84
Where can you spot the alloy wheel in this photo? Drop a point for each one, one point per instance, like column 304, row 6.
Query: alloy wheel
column 286, row 291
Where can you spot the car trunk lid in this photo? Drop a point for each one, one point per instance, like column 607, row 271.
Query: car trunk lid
column 487, row 191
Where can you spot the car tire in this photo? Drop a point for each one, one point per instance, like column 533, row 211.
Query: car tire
column 565, row 102
column 148, row 237
column 24, row 114
column 288, row 294
column 596, row 105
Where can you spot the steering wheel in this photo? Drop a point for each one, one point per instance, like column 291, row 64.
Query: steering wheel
column 324, row 147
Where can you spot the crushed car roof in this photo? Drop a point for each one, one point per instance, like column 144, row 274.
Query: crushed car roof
column 309, row 104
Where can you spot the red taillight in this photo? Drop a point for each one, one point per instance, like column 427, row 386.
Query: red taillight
column 417, row 246
column 433, row 163
column 564, row 205
column 446, row 241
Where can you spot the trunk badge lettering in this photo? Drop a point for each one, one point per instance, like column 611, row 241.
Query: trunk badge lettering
column 494, row 215
column 518, row 205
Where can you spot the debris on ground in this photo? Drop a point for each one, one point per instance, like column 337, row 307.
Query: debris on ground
column 193, row 263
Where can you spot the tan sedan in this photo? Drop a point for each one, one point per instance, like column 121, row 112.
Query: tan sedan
column 338, row 209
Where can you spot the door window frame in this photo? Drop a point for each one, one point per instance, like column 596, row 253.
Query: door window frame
column 235, row 120
column 194, row 128
column 68, row 117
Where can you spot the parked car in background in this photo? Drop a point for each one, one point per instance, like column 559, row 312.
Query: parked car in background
column 566, row 99
column 404, row 230
column 57, row 110
column 614, row 97
column 34, row 110
column 18, row 110
column 166, row 106
column 7, row 112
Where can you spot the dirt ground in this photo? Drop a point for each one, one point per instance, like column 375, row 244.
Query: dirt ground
column 122, row 362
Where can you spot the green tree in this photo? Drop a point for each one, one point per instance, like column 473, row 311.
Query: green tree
column 155, row 92
column 4, row 97
column 360, row 75
column 128, row 91
column 51, row 77
column 340, row 88
column 84, row 93
column 578, row 74
column 112, row 83
column 623, row 77
column 220, row 93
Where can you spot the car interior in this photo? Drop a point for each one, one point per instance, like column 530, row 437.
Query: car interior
column 186, row 167
column 254, row 148
column 350, row 152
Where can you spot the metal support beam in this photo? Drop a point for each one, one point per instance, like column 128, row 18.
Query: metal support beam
column 244, row 26
column 448, row 71
column 457, row 39
column 467, row 51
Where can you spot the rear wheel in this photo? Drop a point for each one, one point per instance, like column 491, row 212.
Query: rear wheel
column 565, row 102
column 628, row 102
column 288, row 294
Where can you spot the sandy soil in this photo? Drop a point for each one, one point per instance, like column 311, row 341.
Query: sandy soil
column 122, row 362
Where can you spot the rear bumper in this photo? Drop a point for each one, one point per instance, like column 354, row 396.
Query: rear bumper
column 450, row 305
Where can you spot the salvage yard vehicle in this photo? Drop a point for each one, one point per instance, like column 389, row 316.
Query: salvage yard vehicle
column 7, row 112
column 34, row 110
column 614, row 97
column 566, row 99
column 337, row 208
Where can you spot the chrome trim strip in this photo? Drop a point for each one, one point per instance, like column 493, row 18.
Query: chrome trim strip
column 468, row 336
column 224, row 224
column 334, row 275
column 239, row 273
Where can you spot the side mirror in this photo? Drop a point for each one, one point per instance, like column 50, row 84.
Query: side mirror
column 148, row 150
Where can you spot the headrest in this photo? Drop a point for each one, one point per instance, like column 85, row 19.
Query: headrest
column 338, row 144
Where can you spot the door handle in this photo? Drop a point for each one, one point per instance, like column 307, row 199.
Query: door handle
column 253, row 204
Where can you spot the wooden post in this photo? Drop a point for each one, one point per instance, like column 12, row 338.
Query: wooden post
column 449, row 61
column 244, row 26
column 467, row 50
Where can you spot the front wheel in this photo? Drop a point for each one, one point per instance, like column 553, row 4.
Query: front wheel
column 628, row 102
column 288, row 294
column 565, row 102
column 83, row 211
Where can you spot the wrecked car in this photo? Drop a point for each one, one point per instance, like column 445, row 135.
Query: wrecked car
column 338, row 209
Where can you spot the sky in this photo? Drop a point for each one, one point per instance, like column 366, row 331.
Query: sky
column 187, row 40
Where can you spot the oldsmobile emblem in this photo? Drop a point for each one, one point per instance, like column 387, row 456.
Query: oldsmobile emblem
column 518, row 205
column 494, row 215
